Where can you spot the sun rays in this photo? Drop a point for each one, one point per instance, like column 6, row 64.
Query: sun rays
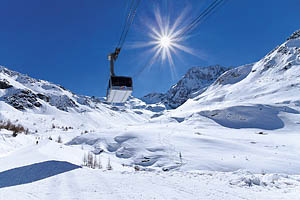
column 165, row 40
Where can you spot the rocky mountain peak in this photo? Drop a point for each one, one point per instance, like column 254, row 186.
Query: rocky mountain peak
column 295, row 35
column 193, row 83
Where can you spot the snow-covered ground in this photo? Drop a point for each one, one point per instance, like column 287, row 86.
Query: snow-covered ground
column 52, row 171
column 217, row 162
column 238, row 139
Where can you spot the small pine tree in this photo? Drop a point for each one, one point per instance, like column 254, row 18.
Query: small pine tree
column 180, row 157
column 99, row 163
column 108, row 167
column 84, row 160
column 95, row 163
column 90, row 160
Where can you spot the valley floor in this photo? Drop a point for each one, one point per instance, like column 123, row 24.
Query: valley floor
column 50, row 170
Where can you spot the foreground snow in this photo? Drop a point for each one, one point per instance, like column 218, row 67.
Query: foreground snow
column 96, row 184
column 45, row 171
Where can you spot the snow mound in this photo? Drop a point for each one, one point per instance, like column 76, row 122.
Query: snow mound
column 243, row 178
column 130, row 147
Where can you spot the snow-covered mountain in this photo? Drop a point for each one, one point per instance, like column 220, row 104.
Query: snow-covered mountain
column 272, row 81
column 193, row 83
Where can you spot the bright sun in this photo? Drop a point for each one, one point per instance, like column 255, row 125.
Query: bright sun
column 165, row 42
column 166, row 39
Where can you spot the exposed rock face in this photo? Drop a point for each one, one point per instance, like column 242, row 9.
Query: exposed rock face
column 295, row 35
column 43, row 97
column 193, row 83
column 22, row 99
column 28, row 93
column 62, row 102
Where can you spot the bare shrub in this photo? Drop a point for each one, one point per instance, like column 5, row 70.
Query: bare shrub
column 137, row 168
column 12, row 127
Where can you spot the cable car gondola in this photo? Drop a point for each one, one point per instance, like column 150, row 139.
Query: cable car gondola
column 119, row 87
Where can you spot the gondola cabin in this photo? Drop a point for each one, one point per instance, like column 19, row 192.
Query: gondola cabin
column 119, row 89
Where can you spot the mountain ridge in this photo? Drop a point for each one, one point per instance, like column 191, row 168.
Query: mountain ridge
column 193, row 83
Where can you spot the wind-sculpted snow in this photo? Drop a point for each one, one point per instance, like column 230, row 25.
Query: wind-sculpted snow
column 129, row 146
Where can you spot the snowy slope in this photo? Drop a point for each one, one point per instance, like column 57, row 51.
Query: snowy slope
column 193, row 83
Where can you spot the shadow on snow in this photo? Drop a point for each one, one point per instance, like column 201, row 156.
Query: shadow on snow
column 34, row 172
column 256, row 116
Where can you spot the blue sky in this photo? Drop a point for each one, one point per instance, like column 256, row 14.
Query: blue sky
column 67, row 41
